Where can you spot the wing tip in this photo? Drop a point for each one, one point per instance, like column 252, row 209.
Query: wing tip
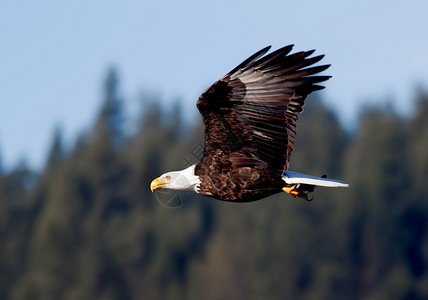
column 250, row 60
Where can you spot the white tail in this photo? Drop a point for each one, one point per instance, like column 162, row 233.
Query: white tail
column 291, row 177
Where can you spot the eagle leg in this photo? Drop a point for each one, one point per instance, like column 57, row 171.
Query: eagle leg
column 297, row 190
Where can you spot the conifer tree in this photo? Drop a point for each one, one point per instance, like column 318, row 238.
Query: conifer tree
column 109, row 124
column 56, row 152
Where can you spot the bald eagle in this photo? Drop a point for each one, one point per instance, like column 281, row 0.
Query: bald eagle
column 250, row 117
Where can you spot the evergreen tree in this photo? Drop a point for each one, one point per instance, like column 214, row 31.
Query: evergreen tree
column 1, row 163
column 109, row 124
column 378, row 169
column 56, row 152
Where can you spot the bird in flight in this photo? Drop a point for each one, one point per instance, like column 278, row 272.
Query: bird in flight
column 250, row 117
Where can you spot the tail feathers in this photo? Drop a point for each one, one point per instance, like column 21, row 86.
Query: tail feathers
column 291, row 177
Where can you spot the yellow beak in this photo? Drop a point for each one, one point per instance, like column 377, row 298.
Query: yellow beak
column 157, row 183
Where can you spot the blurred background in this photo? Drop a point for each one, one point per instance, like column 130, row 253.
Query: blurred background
column 98, row 98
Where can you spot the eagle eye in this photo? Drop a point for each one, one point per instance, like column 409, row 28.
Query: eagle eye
column 168, row 177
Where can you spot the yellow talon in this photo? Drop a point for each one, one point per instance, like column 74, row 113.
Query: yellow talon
column 291, row 190
column 296, row 192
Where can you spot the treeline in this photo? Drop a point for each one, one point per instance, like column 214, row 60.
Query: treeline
column 88, row 227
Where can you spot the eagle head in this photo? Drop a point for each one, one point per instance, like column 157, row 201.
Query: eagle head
column 177, row 180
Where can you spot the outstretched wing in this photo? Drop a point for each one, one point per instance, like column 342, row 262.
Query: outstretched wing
column 252, row 111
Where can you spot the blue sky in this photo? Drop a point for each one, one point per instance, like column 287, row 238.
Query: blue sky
column 54, row 55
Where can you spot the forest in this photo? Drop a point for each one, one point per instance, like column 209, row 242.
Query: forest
column 87, row 226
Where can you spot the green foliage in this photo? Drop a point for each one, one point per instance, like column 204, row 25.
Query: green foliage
column 88, row 227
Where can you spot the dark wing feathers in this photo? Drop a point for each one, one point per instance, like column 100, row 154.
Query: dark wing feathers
column 251, row 59
column 250, row 114
column 274, row 58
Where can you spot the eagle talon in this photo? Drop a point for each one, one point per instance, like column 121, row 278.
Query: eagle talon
column 290, row 190
column 297, row 190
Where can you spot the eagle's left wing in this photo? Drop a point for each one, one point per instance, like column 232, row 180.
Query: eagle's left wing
column 254, row 108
